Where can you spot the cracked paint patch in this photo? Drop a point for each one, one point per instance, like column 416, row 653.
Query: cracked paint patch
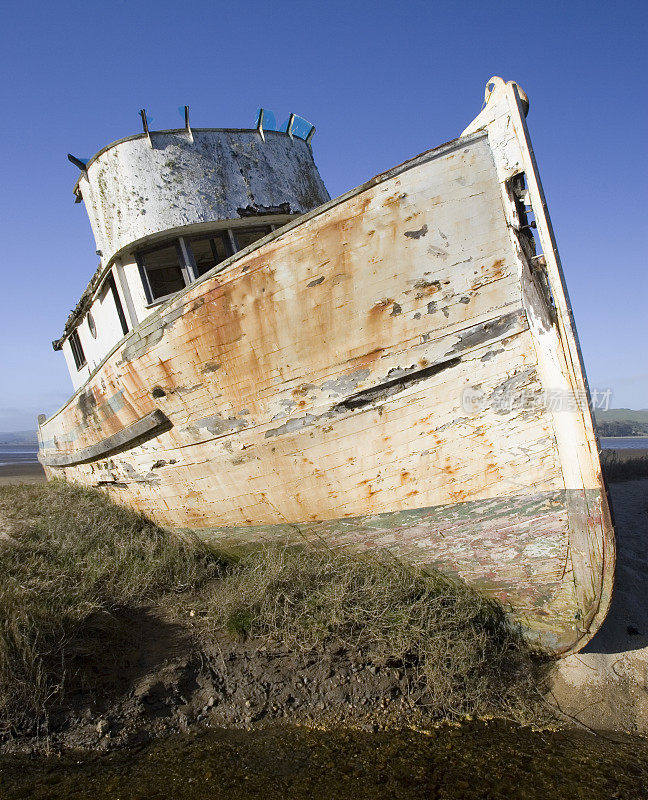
column 418, row 234
column 219, row 425
column 346, row 383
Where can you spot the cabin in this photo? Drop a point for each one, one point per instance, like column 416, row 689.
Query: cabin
column 167, row 207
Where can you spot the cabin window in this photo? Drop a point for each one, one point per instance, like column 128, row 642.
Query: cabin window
column 169, row 268
column 112, row 286
column 209, row 251
column 77, row 350
column 163, row 271
column 247, row 236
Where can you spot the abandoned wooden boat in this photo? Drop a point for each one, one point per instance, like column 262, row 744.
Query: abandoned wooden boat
column 393, row 370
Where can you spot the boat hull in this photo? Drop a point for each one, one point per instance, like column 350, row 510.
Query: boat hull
column 374, row 376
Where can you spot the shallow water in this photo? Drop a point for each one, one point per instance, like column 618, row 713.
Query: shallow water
column 18, row 454
column 624, row 442
column 478, row 760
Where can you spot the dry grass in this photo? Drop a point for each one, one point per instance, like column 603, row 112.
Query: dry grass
column 77, row 555
column 470, row 658
column 626, row 464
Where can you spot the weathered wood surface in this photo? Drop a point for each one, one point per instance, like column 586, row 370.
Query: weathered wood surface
column 127, row 438
column 315, row 390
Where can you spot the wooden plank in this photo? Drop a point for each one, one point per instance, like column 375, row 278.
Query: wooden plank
column 147, row 427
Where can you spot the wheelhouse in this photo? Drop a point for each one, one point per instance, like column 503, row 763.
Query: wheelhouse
column 166, row 207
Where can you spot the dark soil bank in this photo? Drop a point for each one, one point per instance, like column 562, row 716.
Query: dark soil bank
column 162, row 683
column 114, row 632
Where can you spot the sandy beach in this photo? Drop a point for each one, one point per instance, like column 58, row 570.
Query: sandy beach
column 605, row 686
column 29, row 472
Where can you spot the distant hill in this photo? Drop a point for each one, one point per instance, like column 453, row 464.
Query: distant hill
column 622, row 422
column 622, row 415
column 19, row 437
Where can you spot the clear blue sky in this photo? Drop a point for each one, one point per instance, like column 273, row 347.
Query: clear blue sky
column 382, row 81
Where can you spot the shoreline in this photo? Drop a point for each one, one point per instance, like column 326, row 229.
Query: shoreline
column 478, row 759
column 21, row 472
